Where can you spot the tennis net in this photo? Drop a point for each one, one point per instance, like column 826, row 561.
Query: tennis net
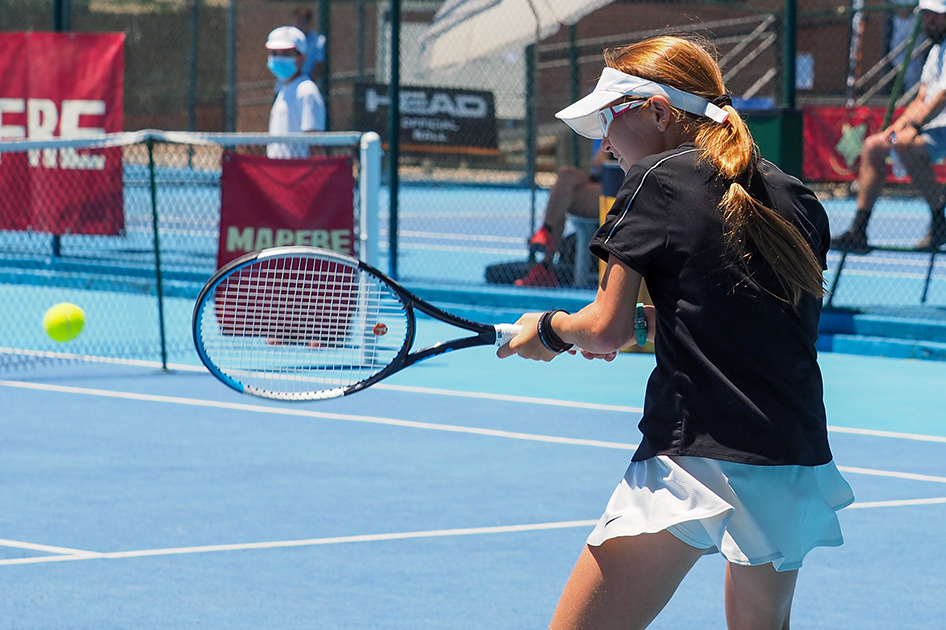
column 127, row 226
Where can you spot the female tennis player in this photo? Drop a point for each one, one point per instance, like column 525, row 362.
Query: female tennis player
column 735, row 455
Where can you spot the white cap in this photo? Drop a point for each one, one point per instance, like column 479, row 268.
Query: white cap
column 582, row 115
column 286, row 38
column 936, row 6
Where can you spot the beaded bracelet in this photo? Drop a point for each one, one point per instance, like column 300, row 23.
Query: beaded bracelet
column 547, row 336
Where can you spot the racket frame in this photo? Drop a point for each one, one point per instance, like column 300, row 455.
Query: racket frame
column 485, row 334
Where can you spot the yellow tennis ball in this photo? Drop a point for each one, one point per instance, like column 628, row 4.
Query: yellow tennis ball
column 63, row 322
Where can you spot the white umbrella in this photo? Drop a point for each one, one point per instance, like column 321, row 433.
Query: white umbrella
column 463, row 30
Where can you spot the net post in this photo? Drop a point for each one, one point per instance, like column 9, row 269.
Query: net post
column 157, row 252
column 369, row 186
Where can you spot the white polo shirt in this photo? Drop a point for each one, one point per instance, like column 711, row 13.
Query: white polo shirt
column 298, row 107
column 934, row 78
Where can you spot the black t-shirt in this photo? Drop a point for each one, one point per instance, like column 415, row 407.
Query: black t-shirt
column 737, row 376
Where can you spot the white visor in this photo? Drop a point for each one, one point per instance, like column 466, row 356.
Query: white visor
column 582, row 115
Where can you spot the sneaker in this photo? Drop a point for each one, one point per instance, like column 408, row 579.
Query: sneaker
column 538, row 276
column 935, row 237
column 852, row 241
column 542, row 239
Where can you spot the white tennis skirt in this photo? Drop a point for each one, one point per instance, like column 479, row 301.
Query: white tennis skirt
column 751, row 514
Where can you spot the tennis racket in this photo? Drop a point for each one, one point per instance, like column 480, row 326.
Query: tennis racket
column 302, row 323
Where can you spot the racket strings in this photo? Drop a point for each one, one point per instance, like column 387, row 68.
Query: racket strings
column 302, row 327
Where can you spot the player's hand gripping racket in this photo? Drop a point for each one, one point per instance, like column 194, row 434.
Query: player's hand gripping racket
column 302, row 323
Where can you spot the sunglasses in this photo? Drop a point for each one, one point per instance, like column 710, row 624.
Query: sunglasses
column 607, row 115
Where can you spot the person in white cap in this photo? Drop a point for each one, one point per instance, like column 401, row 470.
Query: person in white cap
column 918, row 137
column 298, row 106
column 735, row 455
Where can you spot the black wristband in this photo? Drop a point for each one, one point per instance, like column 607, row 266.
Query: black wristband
column 916, row 125
column 547, row 336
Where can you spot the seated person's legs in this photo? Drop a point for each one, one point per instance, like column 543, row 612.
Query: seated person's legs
column 918, row 158
column 870, row 180
column 573, row 193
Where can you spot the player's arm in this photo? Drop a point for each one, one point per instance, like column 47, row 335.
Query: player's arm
column 599, row 329
column 607, row 324
column 930, row 110
column 313, row 109
column 914, row 112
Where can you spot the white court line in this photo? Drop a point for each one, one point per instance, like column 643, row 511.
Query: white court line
column 884, row 274
column 889, row 434
column 312, row 542
column 284, row 411
column 905, row 502
column 181, row 367
column 508, row 398
column 472, row 250
column 303, row 543
column 884, row 473
column 73, row 554
column 34, row 547
column 439, row 427
column 45, row 354
column 462, row 237
column 305, row 413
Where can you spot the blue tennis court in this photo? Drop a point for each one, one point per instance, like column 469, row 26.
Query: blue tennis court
column 455, row 495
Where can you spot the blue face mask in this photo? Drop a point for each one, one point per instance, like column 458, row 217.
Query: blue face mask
column 283, row 68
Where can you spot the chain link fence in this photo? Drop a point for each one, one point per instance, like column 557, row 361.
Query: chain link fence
column 135, row 250
column 858, row 67
column 479, row 147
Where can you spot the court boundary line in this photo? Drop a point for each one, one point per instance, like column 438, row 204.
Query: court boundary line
column 68, row 555
column 306, row 413
column 35, row 547
column 886, row 473
column 310, row 542
column 896, row 503
column 65, row 554
column 183, row 367
column 888, row 434
column 512, row 398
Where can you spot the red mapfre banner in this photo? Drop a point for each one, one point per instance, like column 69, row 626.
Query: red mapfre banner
column 274, row 203
column 65, row 85
column 834, row 137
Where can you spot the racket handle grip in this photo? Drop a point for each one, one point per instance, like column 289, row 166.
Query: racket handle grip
column 505, row 332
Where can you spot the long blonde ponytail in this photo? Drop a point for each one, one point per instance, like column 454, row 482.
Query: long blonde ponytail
column 686, row 65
